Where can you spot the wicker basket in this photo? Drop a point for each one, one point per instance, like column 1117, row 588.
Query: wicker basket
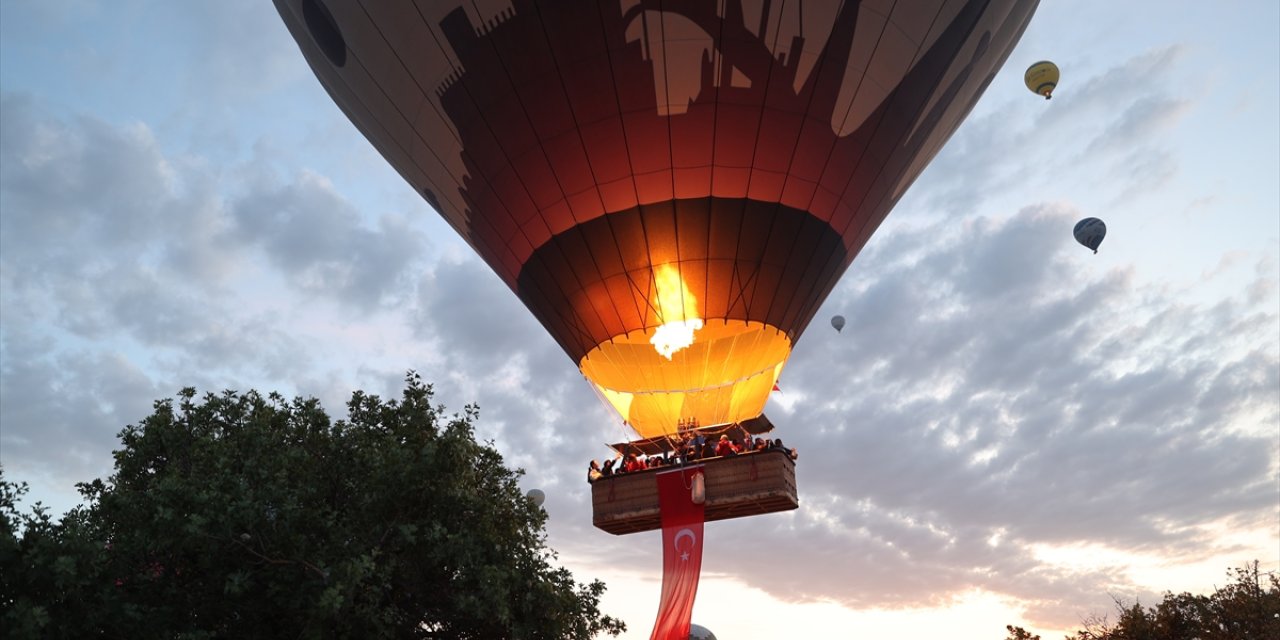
column 737, row 486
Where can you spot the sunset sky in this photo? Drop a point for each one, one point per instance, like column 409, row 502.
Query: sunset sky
column 1009, row 430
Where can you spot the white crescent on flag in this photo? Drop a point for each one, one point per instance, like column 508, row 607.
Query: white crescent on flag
column 693, row 541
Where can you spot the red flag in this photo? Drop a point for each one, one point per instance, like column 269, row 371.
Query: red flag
column 681, row 553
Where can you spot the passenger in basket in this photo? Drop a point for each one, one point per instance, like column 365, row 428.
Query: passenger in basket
column 607, row 469
column 593, row 471
column 633, row 463
column 777, row 444
column 725, row 447
column 760, row 444
column 692, row 450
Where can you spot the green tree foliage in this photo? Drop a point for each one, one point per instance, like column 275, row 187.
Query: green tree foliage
column 1246, row 609
column 46, row 567
column 1018, row 633
column 238, row 515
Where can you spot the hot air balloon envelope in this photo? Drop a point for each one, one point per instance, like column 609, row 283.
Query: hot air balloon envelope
column 1090, row 232
column 838, row 323
column 672, row 188
column 1042, row 78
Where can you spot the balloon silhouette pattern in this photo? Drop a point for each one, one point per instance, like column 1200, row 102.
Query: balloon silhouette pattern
column 671, row 188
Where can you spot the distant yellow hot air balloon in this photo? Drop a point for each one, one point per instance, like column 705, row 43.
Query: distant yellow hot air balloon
column 1041, row 78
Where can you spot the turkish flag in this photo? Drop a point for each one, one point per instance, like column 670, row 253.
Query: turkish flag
column 681, row 553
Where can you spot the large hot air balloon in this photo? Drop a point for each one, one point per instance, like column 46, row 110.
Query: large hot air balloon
column 672, row 188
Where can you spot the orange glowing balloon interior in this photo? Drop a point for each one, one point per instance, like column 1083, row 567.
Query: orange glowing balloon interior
column 724, row 375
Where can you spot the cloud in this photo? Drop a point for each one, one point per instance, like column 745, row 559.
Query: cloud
column 86, row 200
column 127, row 264
column 991, row 383
column 992, row 395
column 1114, row 126
column 65, row 183
column 1146, row 118
column 62, row 412
column 533, row 401
column 318, row 240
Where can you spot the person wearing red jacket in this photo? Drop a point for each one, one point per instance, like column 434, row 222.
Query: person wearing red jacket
column 725, row 447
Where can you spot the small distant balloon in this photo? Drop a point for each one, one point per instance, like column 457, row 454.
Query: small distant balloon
column 536, row 496
column 1090, row 232
column 1042, row 78
column 838, row 323
column 699, row 632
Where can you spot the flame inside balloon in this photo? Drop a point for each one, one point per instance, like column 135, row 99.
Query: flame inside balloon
column 673, row 300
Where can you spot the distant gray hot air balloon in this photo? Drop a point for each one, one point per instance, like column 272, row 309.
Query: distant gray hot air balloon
column 1090, row 232
column 699, row 632
column 537, row 496
column 838, row 323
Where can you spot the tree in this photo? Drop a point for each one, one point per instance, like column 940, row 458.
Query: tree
column 1018, row 633
column 1246, row 609
column 49, row 570
column 238, row 515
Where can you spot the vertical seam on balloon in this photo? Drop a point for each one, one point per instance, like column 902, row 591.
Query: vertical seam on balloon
column 666, row 90
column 467, row 201
column 626, row 144
column 801, row 313
column 857, row 165
column 582, row 145
column 570, row 322
column 717, row 56
column 443, row 118
column 671, row 160
column 755, row 147
column 803, row 316
column 960, row 44
column 426, row 99
column 359, row 102
column 919, row 53
column 515, row 94
column 815, row 75
column 822, row 65
column 373, row 119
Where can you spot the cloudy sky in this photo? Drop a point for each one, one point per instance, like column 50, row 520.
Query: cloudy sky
column 1008, row 430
